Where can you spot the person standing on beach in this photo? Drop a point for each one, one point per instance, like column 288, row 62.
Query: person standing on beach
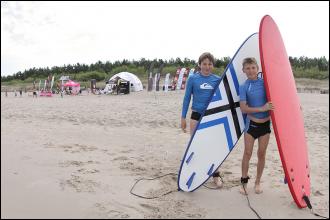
column 201, row 86
column 6, row 93
column 35, row 93
column 20, row 92
column 253, row 102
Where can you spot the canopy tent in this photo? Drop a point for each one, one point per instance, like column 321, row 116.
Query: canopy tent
column 135, row 82
column 63, row 80
column 71, row 83
column 75, row 87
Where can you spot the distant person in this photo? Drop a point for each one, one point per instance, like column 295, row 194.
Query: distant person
column 20, row 92
column 118, row 86
column 6, row 93
column 201, row 87
column 15, row 93
column 35, row 94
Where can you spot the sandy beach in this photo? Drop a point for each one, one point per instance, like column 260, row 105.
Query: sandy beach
column 78, row 157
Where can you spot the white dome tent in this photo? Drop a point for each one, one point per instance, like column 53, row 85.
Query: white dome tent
column 136, row 84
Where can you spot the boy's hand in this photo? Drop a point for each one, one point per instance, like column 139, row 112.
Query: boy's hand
column 183, row 125
column 267, row 107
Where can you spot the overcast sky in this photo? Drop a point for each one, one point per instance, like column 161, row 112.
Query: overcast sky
column 41, row 34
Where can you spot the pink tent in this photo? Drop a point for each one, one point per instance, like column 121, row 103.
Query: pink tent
column 75, row 87
column 70, row 83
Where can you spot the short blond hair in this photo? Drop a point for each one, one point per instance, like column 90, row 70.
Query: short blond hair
column 250, row 60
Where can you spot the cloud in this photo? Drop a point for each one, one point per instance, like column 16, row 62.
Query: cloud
column 39, row 34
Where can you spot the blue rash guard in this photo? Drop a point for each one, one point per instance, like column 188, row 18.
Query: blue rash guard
column 201, row 87
column 253, row 92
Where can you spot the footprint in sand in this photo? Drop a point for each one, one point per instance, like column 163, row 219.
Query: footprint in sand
column 152, row 208
column 126, row 151
column 318, row 193
column 123, row 158
column 71, row 163
column 79, row 184
column 112, row 210
column 77, row 148
column 88, row 171
column 75, row 163
column 131, row 167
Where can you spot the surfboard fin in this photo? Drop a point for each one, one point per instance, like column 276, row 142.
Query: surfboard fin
column 189, row 158
column 210, row 170
column 308, row 203
column 285, row 180
column 190, row 180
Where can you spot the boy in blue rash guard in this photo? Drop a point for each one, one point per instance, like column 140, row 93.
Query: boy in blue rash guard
column 201, row 85
column 254, row 103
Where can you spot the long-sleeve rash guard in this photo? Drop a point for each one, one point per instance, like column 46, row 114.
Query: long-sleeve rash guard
column 201, row 87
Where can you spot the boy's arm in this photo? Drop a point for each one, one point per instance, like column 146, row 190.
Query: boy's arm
column 187, row 97
column 246, row 109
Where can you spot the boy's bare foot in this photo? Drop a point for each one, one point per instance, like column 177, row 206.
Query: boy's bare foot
column 242, row 191
column 217, row 179
column 218, row 182
column 257, row 188
column 243, row 187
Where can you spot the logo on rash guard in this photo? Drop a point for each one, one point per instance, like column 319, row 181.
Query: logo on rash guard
column 206, row 86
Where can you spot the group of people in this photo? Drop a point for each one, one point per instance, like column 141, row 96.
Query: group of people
column 253, row 102
column 15, row 93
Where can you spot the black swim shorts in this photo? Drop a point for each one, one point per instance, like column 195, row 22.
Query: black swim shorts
column 195, row 116
column 257, row 130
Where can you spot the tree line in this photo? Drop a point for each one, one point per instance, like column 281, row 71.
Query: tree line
column 302, row 67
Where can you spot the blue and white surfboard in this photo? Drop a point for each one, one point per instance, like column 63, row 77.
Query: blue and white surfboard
column 179, row 85
column 167, row 80
column 191, row 72
column 221, row 125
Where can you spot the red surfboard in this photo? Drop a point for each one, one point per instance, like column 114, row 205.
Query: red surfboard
column 287, row 118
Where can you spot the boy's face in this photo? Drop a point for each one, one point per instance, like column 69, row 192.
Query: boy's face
column 251, row 70
column 206, row 66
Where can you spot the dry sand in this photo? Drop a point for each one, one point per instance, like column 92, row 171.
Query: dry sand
column 78, row 157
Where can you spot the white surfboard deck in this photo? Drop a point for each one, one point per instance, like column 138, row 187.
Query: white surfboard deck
column 167, row 79
column 191, row 72
column 220, row 126
column 182, row 71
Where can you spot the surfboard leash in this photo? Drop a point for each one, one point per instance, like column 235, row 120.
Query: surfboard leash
column 154, row 197
column 309, row 205
column 214, row 188
column 169, row 192
column 244, row 181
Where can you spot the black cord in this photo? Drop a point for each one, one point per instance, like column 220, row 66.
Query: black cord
column 155, row 197
column 247, row 197
column 309, row 205
column 144, row 197
column 174, row 174
column 213, row 188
